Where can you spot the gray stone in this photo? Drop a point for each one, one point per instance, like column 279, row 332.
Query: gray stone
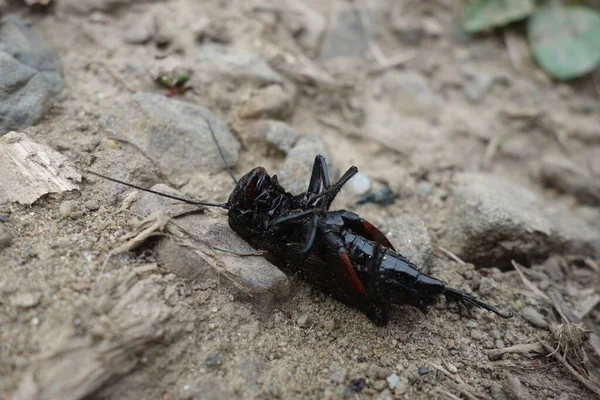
column 141, row 30
column 477, row 82
column 409, row 236
column 302, row 320
column 269, row 102
column 339, row 376
column 392, row 381
column 174, row 134
column 264, row 282
column 345, row 36
column 532, row 316
column 25, row 300
column 91, row 205
column 31, row 74
column 277, row 133
column 329, row 324
column 495, row 221
column 66, row 208
column 360, row 184
column 294, row 174
column 564, row 175
column 239, row 66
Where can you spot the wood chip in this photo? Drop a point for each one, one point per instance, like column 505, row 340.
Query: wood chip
column 31, row 170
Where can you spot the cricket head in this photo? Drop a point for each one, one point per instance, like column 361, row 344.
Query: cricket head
column 255, row 199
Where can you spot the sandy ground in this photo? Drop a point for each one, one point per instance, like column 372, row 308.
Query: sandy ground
column 78, row 321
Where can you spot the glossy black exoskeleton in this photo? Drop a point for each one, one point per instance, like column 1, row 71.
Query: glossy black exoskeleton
column 338, row 252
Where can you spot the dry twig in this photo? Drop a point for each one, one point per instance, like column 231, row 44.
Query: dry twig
column 528, row 283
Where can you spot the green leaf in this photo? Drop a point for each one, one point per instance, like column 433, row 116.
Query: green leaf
column 565, row 40
column 480, row 15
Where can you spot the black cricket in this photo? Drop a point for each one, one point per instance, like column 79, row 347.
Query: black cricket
column 338, row 252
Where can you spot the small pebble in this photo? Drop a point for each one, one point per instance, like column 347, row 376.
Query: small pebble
column 477, row 334
column 66, row 208
column 338, row 376
column 329, row 324
column 302, row 320
column 392, row 381
column 379, row 385
column 423, row 371
column 401, row 387
column 451, row 368
column 496, row 392
column 25, row 300
column 141, row 31
column 382, row 372
column 425, row 188
column 360, row 184
column 385, row 394
column 532, row 316
column 471, row 324
column 91, row 205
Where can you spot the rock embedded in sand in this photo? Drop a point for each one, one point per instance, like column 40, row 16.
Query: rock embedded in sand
column 409, row 235
column 173, row 134
column 31, row 74
column 263, row 281
column 495, row 221
column 276, row 133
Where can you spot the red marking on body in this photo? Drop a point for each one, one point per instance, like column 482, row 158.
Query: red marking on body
column 349, row 273
column 372, row 233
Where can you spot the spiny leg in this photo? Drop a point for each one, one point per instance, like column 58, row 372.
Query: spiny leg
column 291, row 217
column 365, row 228
column 312, row 233
column 319, row 175
column 330, row 194
column 312, row 227
column 336, row 187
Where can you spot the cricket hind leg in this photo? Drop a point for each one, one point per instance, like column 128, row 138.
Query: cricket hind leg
column 364, row 228
column 351, row 289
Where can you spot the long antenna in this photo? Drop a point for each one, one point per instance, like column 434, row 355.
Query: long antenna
column 170, row 196
column 212, row 133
